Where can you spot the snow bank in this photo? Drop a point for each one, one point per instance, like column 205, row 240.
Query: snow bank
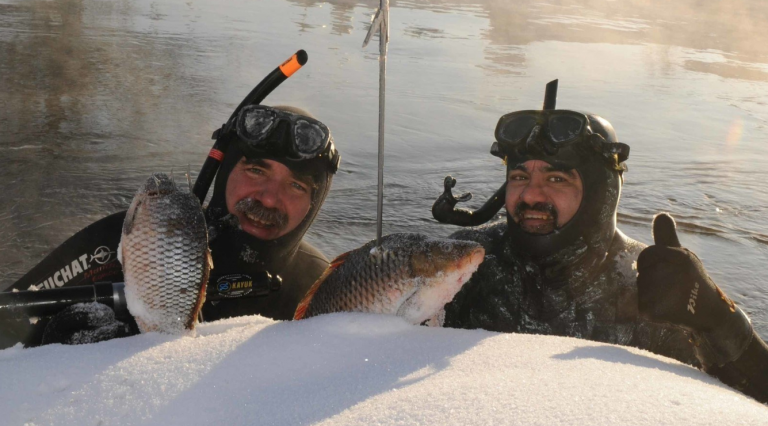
column 357, row 369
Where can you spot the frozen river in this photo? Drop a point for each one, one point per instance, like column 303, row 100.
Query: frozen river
column 96, row 95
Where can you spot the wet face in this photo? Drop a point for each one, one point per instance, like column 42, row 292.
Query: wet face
column 267, row 198
column 542, row 198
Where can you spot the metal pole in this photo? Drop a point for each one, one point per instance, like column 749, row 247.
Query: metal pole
column 383, row 39
column 380, row 23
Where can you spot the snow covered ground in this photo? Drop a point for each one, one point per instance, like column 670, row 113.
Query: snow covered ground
column 357, row 369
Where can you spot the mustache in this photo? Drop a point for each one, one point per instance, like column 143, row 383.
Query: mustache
column 257, row 210
column 548, row 208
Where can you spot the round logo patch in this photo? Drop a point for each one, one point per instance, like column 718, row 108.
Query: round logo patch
column 235, row 285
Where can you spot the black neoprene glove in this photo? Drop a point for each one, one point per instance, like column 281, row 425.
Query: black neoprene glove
column 673, row 287
column 86, row 323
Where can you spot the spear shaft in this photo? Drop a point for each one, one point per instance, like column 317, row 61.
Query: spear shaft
column 380, row 23
column 383, row 39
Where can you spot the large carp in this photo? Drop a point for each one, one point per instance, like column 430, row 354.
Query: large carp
column 165, row 257
column 409, row 275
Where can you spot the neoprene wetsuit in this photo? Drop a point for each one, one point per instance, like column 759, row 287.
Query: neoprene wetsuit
column 509, row 293
column 90, row 256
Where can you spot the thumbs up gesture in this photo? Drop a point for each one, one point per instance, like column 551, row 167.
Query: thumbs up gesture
column 673, row 287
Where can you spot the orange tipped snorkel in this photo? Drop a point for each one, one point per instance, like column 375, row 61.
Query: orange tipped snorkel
column 222, row 137
column 294, row 63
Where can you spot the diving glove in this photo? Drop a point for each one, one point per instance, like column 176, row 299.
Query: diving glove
column 84, row 323
column 673, row 287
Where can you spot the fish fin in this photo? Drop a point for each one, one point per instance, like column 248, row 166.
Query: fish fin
column 335, row 263
column 143, row 326
column 301, row 310
column 196, row 313
column 130, row 215
column 189, row 177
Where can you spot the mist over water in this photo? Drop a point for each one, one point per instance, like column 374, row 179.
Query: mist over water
column 99, row 94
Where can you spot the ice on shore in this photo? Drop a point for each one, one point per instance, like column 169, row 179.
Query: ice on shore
column 357, row 369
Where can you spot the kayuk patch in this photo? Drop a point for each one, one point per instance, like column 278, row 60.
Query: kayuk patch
column 234, row 285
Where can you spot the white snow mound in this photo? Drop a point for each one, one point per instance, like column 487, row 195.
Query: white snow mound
column 357, row 369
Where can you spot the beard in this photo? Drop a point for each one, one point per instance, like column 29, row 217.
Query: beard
column 523, row 209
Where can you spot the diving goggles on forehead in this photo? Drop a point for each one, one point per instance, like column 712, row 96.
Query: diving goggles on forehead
column 308, row 138
column 552, row 130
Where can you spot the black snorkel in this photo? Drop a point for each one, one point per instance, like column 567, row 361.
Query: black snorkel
column 444, row 208
column 550, row 95
column 224, row 137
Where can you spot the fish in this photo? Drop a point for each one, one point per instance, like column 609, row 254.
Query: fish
column 409, row 275
column 165, row 257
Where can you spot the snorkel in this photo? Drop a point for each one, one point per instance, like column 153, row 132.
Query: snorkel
column 223, row 137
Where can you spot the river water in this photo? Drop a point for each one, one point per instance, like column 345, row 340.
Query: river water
column 95, row 95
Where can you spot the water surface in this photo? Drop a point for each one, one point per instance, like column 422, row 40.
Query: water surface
column 99, row 94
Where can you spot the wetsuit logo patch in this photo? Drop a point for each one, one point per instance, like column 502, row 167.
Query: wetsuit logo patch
column 692, row 299
column 65, row 274
column 102, row 255
column 235, row 285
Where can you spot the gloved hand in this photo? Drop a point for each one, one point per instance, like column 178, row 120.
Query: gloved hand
column 673, row 287
column 86, row 323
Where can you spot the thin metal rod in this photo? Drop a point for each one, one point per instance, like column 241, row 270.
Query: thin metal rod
column 383, row 39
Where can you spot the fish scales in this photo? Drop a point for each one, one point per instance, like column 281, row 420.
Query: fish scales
column 165, row 257
column 362, row 272
column 410, row 275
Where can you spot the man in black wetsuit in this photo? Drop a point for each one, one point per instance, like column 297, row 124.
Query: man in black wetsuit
column 558, row 265
column 270, row 186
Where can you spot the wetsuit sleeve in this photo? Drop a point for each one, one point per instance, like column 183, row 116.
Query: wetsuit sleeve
column 665, row 340
column 674, row 288
column 748, row 373
column 87, row 257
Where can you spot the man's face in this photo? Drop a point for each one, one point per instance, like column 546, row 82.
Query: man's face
column 542, row 198
column 268, row 199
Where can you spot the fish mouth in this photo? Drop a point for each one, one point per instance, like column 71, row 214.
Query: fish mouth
column 470, row 263
column 155, row 193
column 428, row 299
column 476, row 257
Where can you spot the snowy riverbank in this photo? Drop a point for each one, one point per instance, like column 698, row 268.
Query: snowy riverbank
column 346, row 369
